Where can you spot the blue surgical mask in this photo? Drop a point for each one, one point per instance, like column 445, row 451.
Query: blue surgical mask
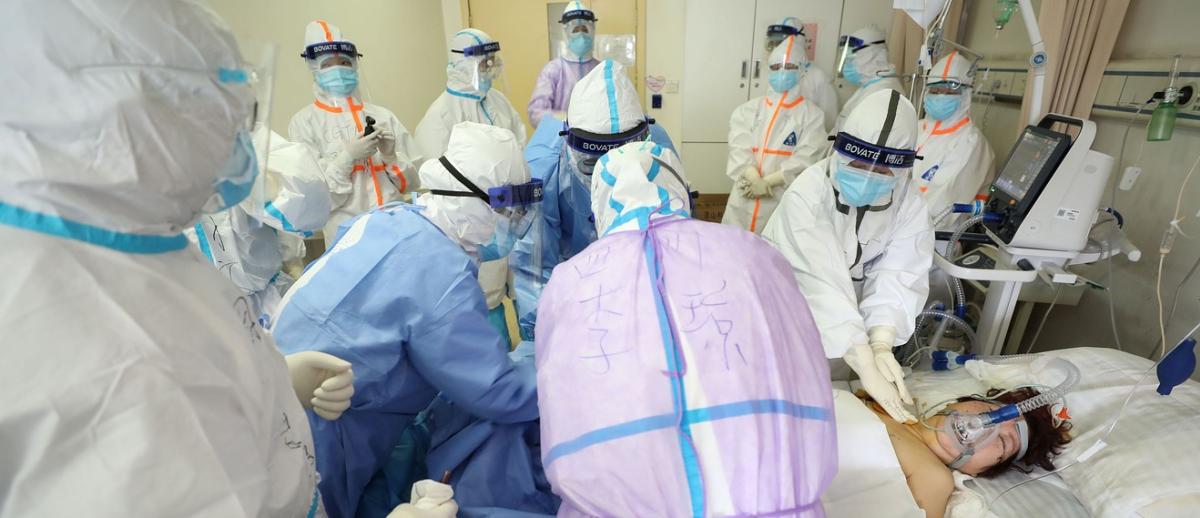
column 942, row 106
column 860, row 187
column 236, row 180
column 338, row 81
column 850, row 71
column 580, row 44
column 484, row 86
column 784, row 80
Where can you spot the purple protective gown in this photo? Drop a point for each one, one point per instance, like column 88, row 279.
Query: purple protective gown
column 680, row 373
column 554, row 84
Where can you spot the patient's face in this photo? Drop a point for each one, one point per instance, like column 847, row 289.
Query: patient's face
column 1000, row 448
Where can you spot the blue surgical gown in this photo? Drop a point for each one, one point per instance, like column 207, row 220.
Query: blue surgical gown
column 400, row 301
column 568, row 225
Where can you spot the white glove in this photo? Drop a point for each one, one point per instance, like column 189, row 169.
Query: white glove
column 323, row 382
column 881, row 374
column 387, row 141
column 754, row 186
column 429, row 500
column 361, row 148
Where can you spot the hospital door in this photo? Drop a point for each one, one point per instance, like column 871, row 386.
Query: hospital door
column 523, row 28
column 725, row 65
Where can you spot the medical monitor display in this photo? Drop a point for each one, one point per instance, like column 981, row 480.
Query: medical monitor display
column 1033, row 153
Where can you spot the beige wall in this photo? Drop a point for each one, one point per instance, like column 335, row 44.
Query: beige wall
column 1146, row 34
column 403, row 44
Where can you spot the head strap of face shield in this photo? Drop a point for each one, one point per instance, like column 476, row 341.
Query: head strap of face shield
column 317, row 50
column 856, row 149
column 479, row 50
column 496, row 197
column 878, row 153
column 601, row 143
column 857, row 44
column 692, row 195
column 578, row 14
column 786, row 30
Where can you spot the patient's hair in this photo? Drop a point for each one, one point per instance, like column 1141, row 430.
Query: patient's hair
column 1045, row 440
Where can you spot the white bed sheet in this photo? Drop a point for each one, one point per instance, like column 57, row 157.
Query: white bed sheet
column 869, row 482
column 1150, row 468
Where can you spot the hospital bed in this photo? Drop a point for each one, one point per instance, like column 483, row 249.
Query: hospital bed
column 1150, row 467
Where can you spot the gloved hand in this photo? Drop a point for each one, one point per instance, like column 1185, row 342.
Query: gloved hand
column 881, row 374
column 754, row 186
column 387, row 141
column 429, row 500
column 360, row 147
column 323, row 382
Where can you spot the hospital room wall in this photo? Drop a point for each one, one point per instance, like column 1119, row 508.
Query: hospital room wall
column 404, row 63
column 1147, row 207
column 665, row 31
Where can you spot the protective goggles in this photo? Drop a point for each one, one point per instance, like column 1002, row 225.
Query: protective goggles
column 860, row 150
column 692, row 195
column 578, row 14
column 946, row 87
column 319, row 50
column 601, row 143
column 498, row 198
column 857, row 44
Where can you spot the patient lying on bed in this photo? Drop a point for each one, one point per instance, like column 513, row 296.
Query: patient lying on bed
column 925, row 455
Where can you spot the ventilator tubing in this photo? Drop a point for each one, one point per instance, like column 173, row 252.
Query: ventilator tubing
column 960, row 301
column 946, row 316
column 1013, row 411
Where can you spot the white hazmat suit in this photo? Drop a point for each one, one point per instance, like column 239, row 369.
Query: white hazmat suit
column 956, row 163
column 771, row 140
column 144, row 387
column 862, row 262
column 866, row 67
column 244, row 242
column 334, row 124
column 815, row 84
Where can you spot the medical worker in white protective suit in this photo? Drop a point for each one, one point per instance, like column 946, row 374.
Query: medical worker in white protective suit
column 815, row 84
column 245, row 243
column 955, row 162
column 474, row 64
column 867, row 67
column 365, row 165
column 771, row 140
column 141, row 384
column 552, row 92
column 857, row 235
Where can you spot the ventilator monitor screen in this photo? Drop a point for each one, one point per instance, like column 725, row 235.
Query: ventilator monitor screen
column 1033, row 154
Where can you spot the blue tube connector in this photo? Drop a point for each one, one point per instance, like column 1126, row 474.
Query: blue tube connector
column 949, row 360
column 1002, row 414
column 1177, row 366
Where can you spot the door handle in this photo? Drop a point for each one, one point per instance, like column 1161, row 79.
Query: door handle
column 757, row 63
column 745, row 67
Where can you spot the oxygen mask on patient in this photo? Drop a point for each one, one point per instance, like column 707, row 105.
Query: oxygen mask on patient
column 965, row 433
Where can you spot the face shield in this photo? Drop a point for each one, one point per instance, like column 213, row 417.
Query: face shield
column 848, row 47
column 253, row 84
column 334, row 66
column 515, row 208
column 579, row 38
column 482, row 65
column 584, row 148
column 866, row 172
column 779, row 32
column 944, row 98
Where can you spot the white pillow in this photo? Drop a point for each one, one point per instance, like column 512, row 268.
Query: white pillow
column 1153, row 454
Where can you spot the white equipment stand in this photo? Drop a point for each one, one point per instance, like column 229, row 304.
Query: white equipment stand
column 1048, row 213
